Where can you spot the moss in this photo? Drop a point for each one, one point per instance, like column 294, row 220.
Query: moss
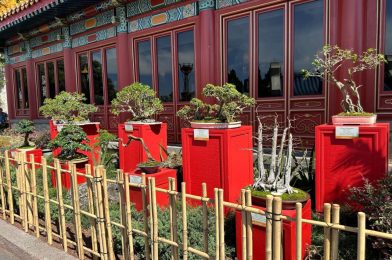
column 149, row 164
column 355, row 114
column 298, row 195
column 26, row 147
column 208, row 120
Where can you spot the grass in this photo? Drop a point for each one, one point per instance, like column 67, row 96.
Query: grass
column 296, row 195
column 355, row 114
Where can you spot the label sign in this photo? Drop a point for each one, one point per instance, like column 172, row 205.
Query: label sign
column 347, row 132
column 201, row 134
column 262, row 219
column 128, row 127
column 135, row 179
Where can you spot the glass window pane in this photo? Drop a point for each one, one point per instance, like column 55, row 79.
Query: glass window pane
column 42, row 82
column 388, row 46
column 238, row 53
column 84, row 80
column 144, row 60
column 271, row 54
column 25, row 88
column 164, row 57
column 18, row 85
column 111, row 72
column 51, row 80
column 60, row 75
column 308, row 40
column 186, row 65
column 97, row 76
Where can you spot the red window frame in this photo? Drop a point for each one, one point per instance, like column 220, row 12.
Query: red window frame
column 23, row 88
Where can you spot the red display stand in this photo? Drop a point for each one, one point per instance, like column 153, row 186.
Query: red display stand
column 161, row 181
column 225, row 161
column 36, row 152
column 66, row 177
column 289, row 236
column 345, row 163
column 133, row 154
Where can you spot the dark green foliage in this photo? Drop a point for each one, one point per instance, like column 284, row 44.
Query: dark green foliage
column 25, row 127
column 70, row 139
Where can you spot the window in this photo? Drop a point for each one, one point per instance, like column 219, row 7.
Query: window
column 388, row 46
column 98, row 75
column 174, row 59
column 21, row 88
column 51, row 79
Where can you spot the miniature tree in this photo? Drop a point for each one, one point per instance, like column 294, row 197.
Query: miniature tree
column 70, row 139
column 277, row 178
column 103, row 141
column 139, row 100
column 229, row 105
column 331, row 59
column 25, row 127
column 67, row 108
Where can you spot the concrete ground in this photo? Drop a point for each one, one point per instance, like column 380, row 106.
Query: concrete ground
column 16, row 244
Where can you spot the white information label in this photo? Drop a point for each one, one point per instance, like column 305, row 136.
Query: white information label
column 259, row 218
column 201, row 134
column 128, row 127
column 134, row 179
column 347, row 132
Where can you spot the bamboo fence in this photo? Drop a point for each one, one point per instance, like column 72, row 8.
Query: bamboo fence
column 19, row 200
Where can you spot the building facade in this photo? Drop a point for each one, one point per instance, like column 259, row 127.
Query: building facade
column 98, row 47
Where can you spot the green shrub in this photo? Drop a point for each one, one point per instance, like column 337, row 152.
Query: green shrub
column 25, row 128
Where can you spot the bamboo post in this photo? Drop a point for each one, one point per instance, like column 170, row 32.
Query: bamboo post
column 205, row 217
column 268, row 228
column 100, row 218
column 9, row 187
column 277, row 228
column 76, row 211
column 105, row 198
column 48, row 220
column 298, row 230
column 27, row 198
column 154, row 213
column 60, row 199
column 145, row 217
column 3, row 207
column 93, row 223
column 361, row 236
column 19, row 185
column 222, row 254
column 173, row 218
column 128, row 215
column 335, row 232
column 35, row 198
column 217, row 226
column 249, row 233
column 123, row 221
column 23, row 203
column 243, row 227
column 327, row 231
column 184, row 222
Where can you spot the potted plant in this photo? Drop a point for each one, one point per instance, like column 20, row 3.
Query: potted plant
column 332, row 59
column 141, row 103
column 222, row 114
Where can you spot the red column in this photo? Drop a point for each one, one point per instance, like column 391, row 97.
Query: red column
column 123, row 60
column 10, row 92
column 69, row 70
column 33, row 106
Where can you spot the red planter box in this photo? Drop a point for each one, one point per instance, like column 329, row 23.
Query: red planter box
column 92, row 131
column 66, row 177
column 36, row 152
column 345, row 163
column 289, row 236
column 225, row 161
column 133, row 154
column 161, row 181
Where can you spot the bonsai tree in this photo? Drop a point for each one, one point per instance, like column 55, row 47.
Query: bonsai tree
column 70, row 139
column 229, row 105
column 25, row 128
column 42, row 139
column 331, row 58
column 103, row 141
column 67, row 108
column 139, row 100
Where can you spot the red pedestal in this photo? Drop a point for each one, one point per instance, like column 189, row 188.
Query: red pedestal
column 223, row 161
column 345, row 163
column 133, row 154
column 161, row 181
column 36, row 152
column 289, row 236
column 66, row 177
column 92, row 131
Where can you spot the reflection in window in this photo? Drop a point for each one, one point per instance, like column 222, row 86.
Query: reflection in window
column 271, row 54
column 60, row 75
column 164, row 58
column 238, row 53
column 388, row 46
column 186, row 62
column 51, row 80
column 97, row 78
column 308, row 40
column 111, row 72
column 19, row 94
column 25, row 88
column 42, row 82
column 84, row 80
column 144, row 59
